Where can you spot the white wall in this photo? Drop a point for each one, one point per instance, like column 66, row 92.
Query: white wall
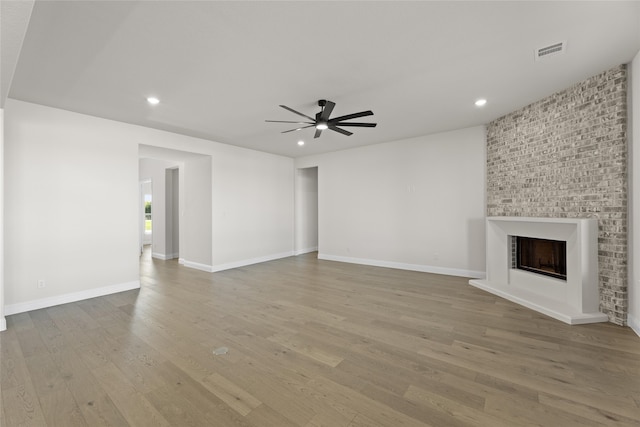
column 71, row 216
column 252, row 208
column 306, row 217
column 197, row 213
column 417, row 204
column 633, row 318
column 72, row 204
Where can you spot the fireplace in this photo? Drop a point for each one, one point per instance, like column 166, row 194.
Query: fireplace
column 567, row 289
column 541, row 256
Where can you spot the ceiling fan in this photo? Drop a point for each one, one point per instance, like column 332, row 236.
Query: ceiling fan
column 323, row 120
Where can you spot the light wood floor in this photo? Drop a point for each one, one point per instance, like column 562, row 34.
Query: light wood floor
column 311, row 343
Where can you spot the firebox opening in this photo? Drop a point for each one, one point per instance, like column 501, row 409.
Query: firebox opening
column 542, row 256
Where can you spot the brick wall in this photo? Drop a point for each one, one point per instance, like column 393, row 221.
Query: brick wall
column 565, row 156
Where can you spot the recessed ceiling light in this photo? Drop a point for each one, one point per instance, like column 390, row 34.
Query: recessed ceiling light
column 481, row 102
column 153, row 100
column 301, row 143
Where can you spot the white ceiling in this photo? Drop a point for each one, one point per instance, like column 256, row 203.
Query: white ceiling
column 221, row 68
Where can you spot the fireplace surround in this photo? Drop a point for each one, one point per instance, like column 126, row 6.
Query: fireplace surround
column 574, row 300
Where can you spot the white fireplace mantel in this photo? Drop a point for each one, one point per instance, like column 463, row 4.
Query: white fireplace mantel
column 573, row 301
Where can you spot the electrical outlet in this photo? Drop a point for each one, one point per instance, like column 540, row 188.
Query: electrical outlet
column 41, row 284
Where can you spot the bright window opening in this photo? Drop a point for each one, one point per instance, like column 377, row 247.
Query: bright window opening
column 148, row 226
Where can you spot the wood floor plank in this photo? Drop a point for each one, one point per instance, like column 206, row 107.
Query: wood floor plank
column 135, row 359
column 311, row 343
column 330, row 418
column 3, row 418
column 132, row 404
column 265, row 416
column 352, row 403
column 234, row 396
column 58, row 405
column 180, row 411
column 96, row 407
column 277, row 388
column 20, row 322
column 428, row 415
column 94, row 403
column 453, row 409
column 530, row 413
column 13, row 371
column 311, row 351
column 20, row 404
column 520, row 374
column 31, row 343
column 184, row 394
column 22, row 407
column 593, row 414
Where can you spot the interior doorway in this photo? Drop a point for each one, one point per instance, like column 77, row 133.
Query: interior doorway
column 182, row 204
column 160, row 207
column 306, row 213
column 146, row 215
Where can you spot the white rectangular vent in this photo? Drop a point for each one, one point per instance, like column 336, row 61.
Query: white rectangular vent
column 551, row 50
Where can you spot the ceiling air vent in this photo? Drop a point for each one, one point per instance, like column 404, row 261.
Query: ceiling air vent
column 551, row 50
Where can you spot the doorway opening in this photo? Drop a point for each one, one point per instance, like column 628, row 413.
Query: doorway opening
column 181, row 205
column 146, row 216
column 148, row 223
column 306, row 213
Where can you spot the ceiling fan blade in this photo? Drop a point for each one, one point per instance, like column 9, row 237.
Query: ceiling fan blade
column 293, row 130
column 318, row 133
column 342, row 131
column 357, row 124
column 352, row 116
column 287, row 121
column 296, row 112
column 326, row 111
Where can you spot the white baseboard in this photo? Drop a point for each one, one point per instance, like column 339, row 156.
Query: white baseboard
column 242, row 263
column 181, row 261
column 306, row 251
column 3, row 324
column 163, row 257
column 67, row 298
column 404, row 266
column 634, row 324
column 196, row 265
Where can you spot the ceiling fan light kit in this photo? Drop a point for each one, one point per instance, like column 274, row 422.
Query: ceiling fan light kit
column 323, row 120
